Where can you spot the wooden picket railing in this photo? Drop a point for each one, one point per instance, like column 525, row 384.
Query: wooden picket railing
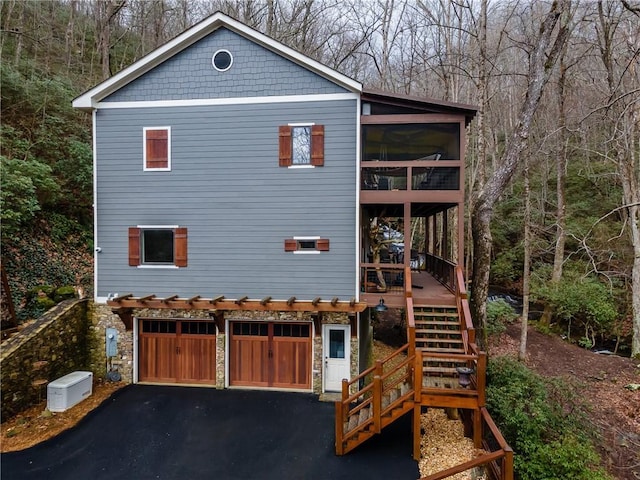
column 394, row 386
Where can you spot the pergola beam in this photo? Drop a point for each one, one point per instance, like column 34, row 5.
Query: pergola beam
column 244, row 303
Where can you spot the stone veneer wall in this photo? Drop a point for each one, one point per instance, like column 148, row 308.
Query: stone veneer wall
column 60, row 340
column 104, row 318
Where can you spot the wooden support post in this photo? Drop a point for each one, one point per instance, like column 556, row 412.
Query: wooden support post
column 376, row 404
column 339, row 428
column 507, row 464
column 477, row 428
column 417, row 437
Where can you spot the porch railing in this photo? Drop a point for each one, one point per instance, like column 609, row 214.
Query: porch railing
column 382, row 278
column 442, row 270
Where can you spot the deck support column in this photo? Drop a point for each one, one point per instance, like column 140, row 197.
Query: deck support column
column 477, row 428
column 417, row 437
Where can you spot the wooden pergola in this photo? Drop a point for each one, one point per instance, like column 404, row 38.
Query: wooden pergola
column 123, row 305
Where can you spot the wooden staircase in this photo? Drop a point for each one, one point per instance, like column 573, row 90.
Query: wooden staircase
column 425, row 373
column 387, row 396
column 437, row 330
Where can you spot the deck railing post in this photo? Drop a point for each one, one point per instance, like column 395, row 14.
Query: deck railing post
column 376, row 406
column 507, row 464
column 339, row 428
column 417, row 376
column 481, row 378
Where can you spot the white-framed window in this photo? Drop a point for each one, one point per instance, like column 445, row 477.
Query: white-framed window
column 157, row 246
column 301, row 145
column 306, row 245
column 222, row 60
column 156, row 149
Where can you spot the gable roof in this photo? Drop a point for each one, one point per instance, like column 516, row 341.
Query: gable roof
column 89, row 99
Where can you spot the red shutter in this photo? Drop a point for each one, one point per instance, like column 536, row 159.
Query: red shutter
column 134, row 246
column 285, row 146
column 323, row 244
column 157, row 148
column 317, row 145
column 180, row 245
column 290, row 245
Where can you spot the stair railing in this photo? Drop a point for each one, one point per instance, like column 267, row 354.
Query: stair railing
column 379, row 379
column 464, row 312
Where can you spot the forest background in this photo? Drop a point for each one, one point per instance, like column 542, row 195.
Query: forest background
column 558, row 183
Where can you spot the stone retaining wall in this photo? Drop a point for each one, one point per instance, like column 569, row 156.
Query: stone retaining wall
column 57, row 343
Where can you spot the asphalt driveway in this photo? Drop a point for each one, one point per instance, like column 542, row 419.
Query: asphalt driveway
column 153, row 432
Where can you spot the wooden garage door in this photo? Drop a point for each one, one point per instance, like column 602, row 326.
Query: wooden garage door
column 177, row 351
column 270, row 355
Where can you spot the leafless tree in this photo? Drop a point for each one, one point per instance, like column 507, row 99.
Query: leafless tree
column 543, row 53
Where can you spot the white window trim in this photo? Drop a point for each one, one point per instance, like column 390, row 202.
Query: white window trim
column 157, row 266
column 306, row 165
column 307, row 252
column 213, row 63
column 144, row 150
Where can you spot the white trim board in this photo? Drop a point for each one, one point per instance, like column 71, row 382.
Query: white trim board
column 90, row 98
column 229, row 101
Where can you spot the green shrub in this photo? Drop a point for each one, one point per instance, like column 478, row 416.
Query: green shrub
column 64, row 293
column 531, row 413
column 499, row 315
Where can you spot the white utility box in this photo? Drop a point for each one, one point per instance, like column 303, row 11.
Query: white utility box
column 67, row 391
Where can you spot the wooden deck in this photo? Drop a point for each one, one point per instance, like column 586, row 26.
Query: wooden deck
column 426, row 291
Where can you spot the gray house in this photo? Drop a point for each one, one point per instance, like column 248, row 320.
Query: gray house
column 237, row 187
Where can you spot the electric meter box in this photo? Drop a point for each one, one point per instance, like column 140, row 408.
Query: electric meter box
column 67, row 391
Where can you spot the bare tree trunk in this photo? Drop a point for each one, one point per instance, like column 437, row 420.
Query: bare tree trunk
column 19, row 32
column 542, row 59
column 561, row 173
column 526, row 274
column 105, row 13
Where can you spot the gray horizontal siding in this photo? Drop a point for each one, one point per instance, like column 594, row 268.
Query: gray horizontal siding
column 255, row 72
column 238, row 205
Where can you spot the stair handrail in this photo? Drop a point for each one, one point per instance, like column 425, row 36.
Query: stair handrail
column 411, row 319
column 462, row 302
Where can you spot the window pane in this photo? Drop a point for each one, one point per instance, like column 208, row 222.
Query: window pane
column 336, row 343
column 301, row 145
column 307, row 245
column 157, row 246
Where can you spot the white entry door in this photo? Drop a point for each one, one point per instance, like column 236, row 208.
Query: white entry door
column 337, row 356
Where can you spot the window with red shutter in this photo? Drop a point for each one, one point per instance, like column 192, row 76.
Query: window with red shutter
column 157, row 148
column 301, row 145
column 306, row 245
column 158, row 246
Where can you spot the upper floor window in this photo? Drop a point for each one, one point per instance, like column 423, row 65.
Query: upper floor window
column 301, row 145
column 157, row 148
column 158, row 246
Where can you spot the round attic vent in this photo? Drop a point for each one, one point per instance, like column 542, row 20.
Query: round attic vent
column 222, row 60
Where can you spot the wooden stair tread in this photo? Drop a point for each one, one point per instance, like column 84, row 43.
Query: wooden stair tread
column 434, row 331
column 444, row 350
column 440, row 370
